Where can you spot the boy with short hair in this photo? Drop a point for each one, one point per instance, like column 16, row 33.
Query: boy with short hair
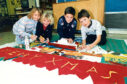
column 67, row 24
column 93, row 33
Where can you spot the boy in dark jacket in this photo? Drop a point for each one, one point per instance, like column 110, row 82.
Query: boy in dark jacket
column 67, row 24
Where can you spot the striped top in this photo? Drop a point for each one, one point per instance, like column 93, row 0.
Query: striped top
column 24, row 27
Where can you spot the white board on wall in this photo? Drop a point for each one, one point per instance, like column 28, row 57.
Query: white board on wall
column 32, row 3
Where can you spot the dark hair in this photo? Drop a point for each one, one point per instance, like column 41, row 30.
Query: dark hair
column 83, row 13
column 69, row 10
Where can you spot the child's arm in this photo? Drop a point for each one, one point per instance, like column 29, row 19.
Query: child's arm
column 73, row 30
column 60, row 27
column 83, row 44
column 34, row 30
column 98, row 34
column 49, row 33
column 19, row 27
column 38, row 31
column 83, row 38
column 94, row 43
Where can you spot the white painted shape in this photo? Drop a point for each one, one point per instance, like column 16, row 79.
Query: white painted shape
column 17, row 73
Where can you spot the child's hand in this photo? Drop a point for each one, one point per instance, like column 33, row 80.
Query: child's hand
column 82, row 47
column 42, row 39
column 33, row 37
column 70, row 40
column 89, row 47
column 47, row 41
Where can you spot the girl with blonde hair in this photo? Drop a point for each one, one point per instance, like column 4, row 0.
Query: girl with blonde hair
column 26, row 26
column 44, row 27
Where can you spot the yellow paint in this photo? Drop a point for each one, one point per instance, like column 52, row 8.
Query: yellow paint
column 53, row 61
column 74, row 65
column 93, row 69
column 110, row 75
column 115, row 58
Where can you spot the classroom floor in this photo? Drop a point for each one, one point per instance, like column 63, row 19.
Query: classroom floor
column 7, row 36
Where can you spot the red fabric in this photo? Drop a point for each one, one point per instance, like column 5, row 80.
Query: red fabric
column 9, row 52
column 100, row 73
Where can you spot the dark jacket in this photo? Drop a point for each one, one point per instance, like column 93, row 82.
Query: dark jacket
column 66, row 30
column 45, row 33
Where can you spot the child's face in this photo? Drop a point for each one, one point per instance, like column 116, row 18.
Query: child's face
column 68, row 17
column 46, row 22
column 36, row 16
column 85, row 21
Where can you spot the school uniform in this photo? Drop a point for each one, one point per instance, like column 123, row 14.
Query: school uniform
column 24, row 27
column 66, row 30
column 90, row 33
column 44, row 32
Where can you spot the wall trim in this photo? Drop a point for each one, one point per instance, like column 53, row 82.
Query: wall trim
column 122, row 12
column 117, row 30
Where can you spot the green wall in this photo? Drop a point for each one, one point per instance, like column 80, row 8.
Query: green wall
column 11, row 5
column 8, row 6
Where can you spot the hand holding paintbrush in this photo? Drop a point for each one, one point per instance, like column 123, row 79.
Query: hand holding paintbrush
column 42, row 39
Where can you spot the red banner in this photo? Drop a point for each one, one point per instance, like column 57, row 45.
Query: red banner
column 100, row 73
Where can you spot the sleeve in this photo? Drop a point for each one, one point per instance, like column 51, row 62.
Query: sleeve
column 50, row 32
column 98, row 29
column 38, row 33
column 83, row 33
column 60, row 27
column 19, row 27
column 73, row 30
column 34, row 29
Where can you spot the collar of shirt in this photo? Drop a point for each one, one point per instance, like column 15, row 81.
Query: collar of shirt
column 44, row 27
column 90, row 24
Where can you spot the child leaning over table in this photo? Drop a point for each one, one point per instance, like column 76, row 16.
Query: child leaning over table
column 44, row 27
column 67, row 24
column 93, row 33
column 26, row 26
